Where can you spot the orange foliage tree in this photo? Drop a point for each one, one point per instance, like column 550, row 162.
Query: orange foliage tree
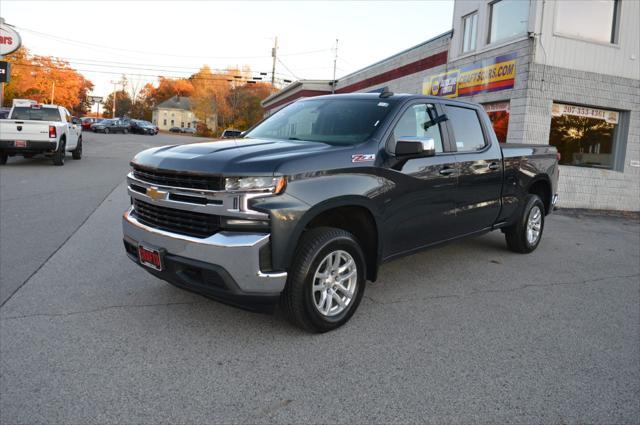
column 47, row 80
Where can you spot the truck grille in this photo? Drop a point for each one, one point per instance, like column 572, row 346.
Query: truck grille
column 177, row 221
column 176, row 179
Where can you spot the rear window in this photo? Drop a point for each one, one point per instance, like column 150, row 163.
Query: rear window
column 36, row 114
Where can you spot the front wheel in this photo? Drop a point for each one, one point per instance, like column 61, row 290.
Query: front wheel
column 125, row 131
column 524, row 236
column 326, row 281
column 106, row 131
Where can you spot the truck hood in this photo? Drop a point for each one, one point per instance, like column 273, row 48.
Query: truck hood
column 231, row 157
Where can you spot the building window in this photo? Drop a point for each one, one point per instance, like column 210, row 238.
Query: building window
column 507, row 19
column 469, row 32
column 586, row 137
column 499, row 115
column 165, row 121
column 171, row 123
column 588, row 19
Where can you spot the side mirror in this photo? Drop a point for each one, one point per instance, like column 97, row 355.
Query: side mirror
column 415, row 146
column 75, row 121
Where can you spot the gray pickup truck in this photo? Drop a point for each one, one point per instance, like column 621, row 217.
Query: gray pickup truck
column 306, row 206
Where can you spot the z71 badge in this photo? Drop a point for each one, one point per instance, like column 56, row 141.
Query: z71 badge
column 363, row 157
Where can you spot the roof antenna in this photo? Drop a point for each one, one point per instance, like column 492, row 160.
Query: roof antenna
column 385, row 93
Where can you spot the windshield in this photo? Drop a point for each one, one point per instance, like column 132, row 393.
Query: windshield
column 333, row 120
column 36, row 114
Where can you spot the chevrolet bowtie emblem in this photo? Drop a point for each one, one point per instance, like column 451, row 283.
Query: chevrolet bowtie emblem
column 156, row 194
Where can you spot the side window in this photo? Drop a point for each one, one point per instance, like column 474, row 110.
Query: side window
column 467, row 131
column 414, row 123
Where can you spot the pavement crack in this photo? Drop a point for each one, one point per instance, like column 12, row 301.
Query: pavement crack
column 99, row 204
column 519, row 288
column 96, row 310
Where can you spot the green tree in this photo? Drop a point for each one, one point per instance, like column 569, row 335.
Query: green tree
column 123, row 105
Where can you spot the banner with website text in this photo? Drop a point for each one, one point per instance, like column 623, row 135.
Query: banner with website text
column 489, row 75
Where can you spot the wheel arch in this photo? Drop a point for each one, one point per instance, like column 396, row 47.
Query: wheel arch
column 352, row 214
column 541, row 186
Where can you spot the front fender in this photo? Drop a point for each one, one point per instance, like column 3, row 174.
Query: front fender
column 306, row 198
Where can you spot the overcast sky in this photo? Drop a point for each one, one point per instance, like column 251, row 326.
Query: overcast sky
column 174, row 38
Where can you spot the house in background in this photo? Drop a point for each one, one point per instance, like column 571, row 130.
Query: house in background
column 174, row 112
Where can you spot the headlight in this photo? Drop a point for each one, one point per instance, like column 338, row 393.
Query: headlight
column 255, row 184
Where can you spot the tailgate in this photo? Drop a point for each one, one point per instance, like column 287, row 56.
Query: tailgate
column 24, row 130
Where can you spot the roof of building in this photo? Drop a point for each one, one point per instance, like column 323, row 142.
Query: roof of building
column 176, row 102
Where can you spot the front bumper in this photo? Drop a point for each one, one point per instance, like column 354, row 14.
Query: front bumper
column 224, row 266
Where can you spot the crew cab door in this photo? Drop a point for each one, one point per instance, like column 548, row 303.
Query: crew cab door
column 73, row 129
column 424, row 210
column 479, row 158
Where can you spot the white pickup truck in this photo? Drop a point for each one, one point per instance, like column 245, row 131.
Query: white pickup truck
column 33, row 129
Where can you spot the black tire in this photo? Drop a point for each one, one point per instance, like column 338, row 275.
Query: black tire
column 297, row 299
column 125, row 131
column 59, row 155
column 77, row 152
column 106, row 131
column 516, row 235
column 3, row 158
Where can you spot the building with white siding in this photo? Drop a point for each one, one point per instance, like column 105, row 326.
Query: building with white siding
column 563, row 72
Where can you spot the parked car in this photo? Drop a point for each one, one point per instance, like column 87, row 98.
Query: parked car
column 175, row 130
column 87, row 122
column 231, row 134
column 324, row 192
column 4, row 113
column 143, row 127
column 111, row 126
column 189, row 130
column 33, row 129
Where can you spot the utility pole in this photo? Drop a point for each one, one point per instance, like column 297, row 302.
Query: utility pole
column 113, row 103
column 335, row 60
column 274, row 53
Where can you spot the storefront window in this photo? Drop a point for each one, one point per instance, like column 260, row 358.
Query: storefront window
column 584, row 136
column 499, row 115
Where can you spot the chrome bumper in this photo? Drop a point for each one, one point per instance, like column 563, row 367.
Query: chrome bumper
column 236, row 252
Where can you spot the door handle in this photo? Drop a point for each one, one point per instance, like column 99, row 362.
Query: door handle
column 494, row 166
column 447, row 171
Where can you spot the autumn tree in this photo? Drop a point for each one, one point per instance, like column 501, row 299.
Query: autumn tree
column 46, row 80
column 209, row 99
column 245, row 103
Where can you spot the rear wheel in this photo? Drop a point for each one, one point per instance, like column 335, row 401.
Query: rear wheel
column 326, row 281
column 106, row 131
column 125, row 131
column 77, row 152
column 60, row 153
column 524, row 236
column 3, row 158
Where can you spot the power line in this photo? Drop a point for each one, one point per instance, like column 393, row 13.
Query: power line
column 146, row 52
column 221, row 78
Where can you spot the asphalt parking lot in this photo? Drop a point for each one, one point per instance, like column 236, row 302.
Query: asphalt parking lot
column 464, row 334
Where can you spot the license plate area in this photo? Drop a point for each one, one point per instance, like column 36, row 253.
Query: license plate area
column 20, row 144
column 150, row 257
